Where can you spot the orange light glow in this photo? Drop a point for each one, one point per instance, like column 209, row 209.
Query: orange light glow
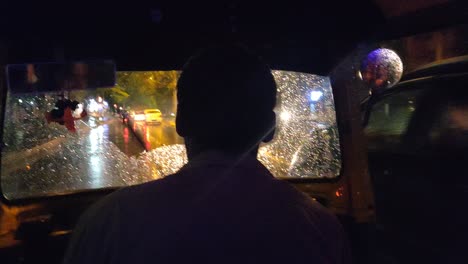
column 147, row 145
column 147, row 135
column 339, row 192
column 28, row 167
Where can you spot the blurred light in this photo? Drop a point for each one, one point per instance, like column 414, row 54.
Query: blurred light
column 294, row 158
column 321, row 126
column 147, row 135
column 120, row 108
column 95, row 139
column 32, row 103
column 172, row 114
column 19, row 100
column 96, row 171
column 93, row 106
column 285, row 116
column 126, row 133
column 139, row 117
column 100, row 118
column 106, row 103
column 359, row 75
column 312, row 107
column 315, row 95
column 339, row 192
column 99, row 99
column 155, row 173
column 115, row 105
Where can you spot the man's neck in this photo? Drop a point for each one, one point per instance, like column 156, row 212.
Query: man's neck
column 194, row 150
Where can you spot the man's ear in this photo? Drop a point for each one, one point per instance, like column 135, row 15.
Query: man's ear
column 271, row 133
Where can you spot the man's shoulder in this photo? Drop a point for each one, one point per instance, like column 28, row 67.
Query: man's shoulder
column 295, row 199
column 148, row 190
column 131, row 194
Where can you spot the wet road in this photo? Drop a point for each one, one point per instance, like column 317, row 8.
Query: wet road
column 122, row 137
column 104, row 153
column 156, row 135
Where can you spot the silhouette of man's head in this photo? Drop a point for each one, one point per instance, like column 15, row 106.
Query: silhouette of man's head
column 226, row 97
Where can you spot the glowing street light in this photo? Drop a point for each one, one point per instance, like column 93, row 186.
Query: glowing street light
column 285, row 116
column 315, row 96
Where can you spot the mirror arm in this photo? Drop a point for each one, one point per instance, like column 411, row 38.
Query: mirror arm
column 366, row 106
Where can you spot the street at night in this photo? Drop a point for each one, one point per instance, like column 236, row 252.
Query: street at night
column 317, row 132
column 153, row 136
column 102, row 153
column 125, row 135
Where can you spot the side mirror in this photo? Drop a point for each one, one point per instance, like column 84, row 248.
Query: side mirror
column 54, row 77
column 381, row 69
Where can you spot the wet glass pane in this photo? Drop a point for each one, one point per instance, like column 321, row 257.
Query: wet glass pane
column 306, row 143
column 389, row 119
column 127, row 136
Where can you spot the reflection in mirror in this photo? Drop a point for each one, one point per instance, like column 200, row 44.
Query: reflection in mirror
column 53, row 77
column 381, row 69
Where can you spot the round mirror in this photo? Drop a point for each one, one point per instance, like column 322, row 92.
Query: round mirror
column 381, row 69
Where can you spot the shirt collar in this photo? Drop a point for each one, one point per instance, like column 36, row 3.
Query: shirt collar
column 215, row 158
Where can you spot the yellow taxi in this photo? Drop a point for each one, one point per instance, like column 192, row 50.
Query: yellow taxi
column 153, row 116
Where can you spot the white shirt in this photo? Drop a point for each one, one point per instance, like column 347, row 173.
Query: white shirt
column 216, row 209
